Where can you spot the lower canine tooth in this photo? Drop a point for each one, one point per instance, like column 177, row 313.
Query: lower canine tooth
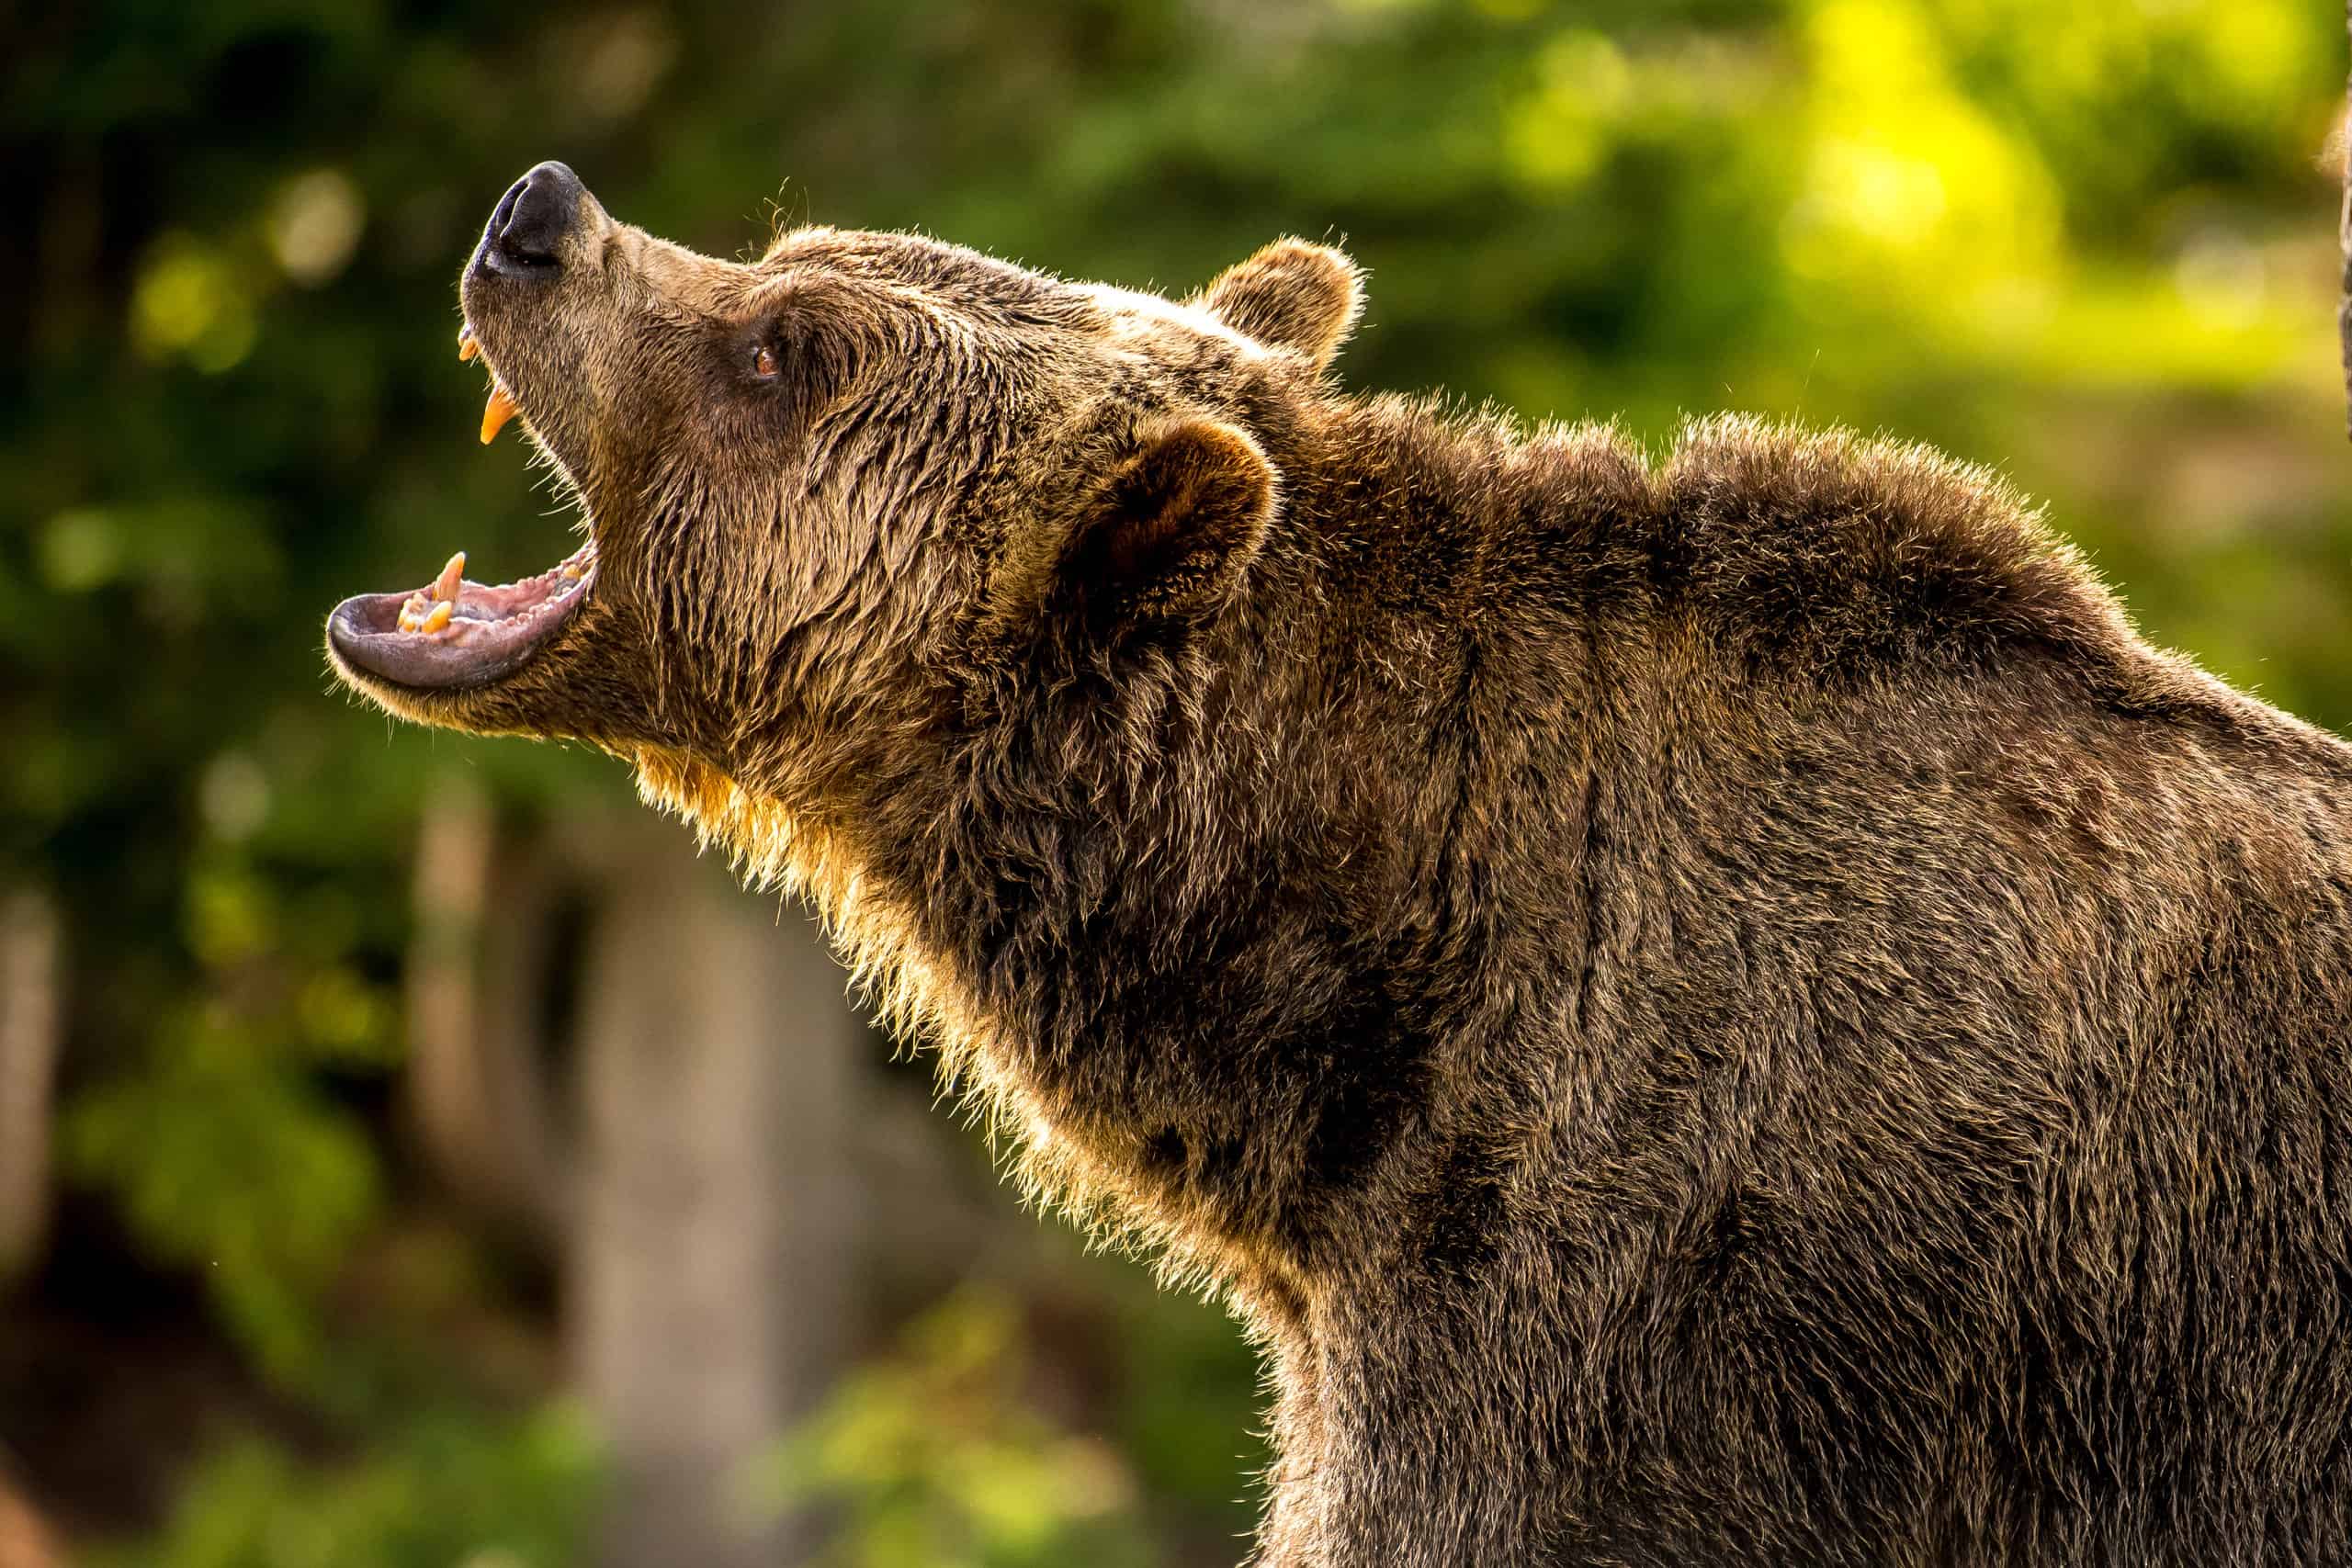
column 466, row 346
column 445, row 585
column 496, row 412
column 437, row 617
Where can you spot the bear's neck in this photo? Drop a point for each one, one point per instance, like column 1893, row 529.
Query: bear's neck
column 1191, row 930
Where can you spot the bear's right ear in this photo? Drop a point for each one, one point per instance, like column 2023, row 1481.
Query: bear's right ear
column 1290, row 294
column 1176, row 525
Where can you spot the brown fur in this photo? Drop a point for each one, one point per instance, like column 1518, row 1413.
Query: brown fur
column 1721, row 1011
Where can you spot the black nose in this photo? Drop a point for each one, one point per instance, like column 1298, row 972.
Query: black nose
column 534, row 216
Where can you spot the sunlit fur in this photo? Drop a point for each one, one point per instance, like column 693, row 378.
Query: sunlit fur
column 1715, row 1009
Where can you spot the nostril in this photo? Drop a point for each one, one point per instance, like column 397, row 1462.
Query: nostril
column 542, row 207
column 506, row 208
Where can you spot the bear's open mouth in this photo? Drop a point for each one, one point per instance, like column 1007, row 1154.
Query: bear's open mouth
column 453, row 633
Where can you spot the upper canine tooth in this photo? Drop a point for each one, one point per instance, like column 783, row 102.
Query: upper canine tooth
column 496, row 412
column 466, row 346
column 445, row 585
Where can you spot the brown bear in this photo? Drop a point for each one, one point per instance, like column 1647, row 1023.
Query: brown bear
column 1719, row 1011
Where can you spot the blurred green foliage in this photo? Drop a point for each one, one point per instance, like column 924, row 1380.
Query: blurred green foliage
column 2089, row 244
column 931, row 1458
column 441, row 1492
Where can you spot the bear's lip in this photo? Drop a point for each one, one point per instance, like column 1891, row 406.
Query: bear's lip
column 488, row 631
column 453, row 633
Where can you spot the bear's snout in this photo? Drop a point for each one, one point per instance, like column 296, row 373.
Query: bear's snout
column 524, row 238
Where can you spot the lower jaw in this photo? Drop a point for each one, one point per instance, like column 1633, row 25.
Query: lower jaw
column 454, row 635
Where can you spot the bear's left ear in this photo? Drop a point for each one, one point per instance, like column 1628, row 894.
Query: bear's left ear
column 1177, row 523
column 1290, row 294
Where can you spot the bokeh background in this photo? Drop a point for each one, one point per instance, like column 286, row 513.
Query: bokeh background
column 411, row 1155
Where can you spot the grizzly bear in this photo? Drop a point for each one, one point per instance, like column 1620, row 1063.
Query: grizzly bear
column 1718, row 1011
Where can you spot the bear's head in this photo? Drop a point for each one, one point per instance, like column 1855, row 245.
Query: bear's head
column 813, row 482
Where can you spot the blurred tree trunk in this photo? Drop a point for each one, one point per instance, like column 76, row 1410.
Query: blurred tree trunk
column 478, row 964
column 29, row 1022
column 713, row 1258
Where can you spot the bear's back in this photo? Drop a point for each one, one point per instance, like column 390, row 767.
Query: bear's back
column 1922, row 1126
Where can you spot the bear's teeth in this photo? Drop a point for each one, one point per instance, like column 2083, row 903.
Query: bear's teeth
column 466, row 346
column 437, row 617
column 445, row 585
column 412, row 613
column 496, row 412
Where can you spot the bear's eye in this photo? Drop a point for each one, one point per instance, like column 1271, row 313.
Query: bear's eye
column 765, row 363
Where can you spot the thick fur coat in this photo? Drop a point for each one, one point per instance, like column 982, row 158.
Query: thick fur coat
column 1718, row 1011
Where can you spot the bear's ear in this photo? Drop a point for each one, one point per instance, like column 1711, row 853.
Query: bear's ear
column 1177, row 523
column 1290, row 294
